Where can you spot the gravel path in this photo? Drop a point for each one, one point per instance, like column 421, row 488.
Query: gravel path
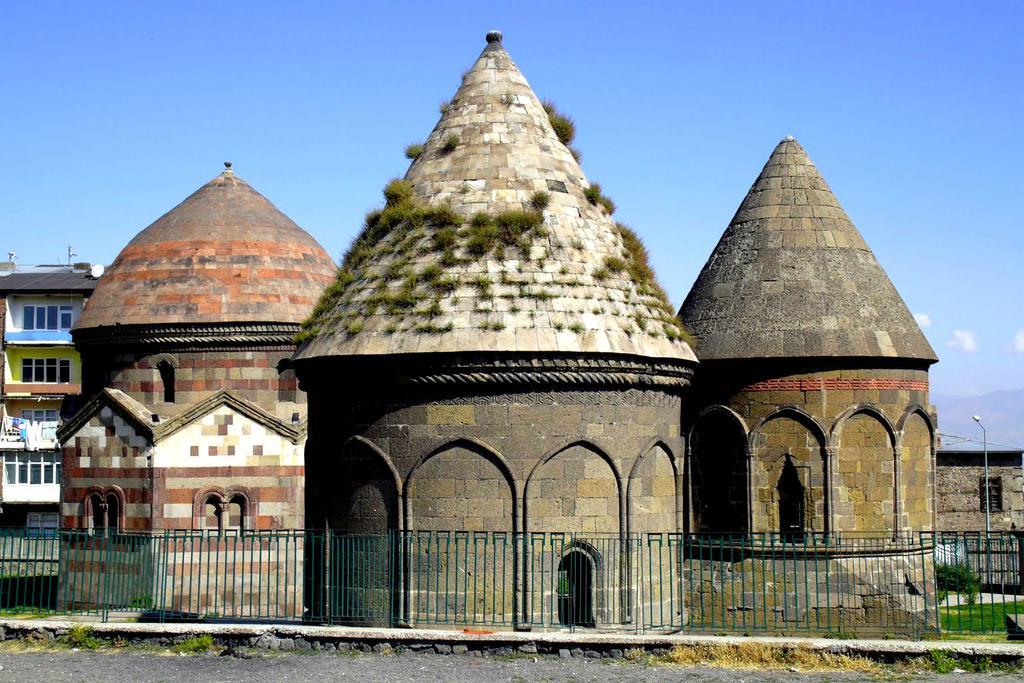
column 133, row 666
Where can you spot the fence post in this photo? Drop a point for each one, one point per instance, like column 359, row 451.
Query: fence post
column 1019, row 535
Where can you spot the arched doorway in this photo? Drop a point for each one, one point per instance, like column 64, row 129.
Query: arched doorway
column 791, row 503
column 576, row 589
column 718, row 474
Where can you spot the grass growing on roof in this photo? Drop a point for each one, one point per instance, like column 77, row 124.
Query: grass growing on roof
column 414, row 151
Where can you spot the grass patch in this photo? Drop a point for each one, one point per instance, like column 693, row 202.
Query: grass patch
column 414, row 151
column 450, row 143
column 540, row 200
column 762, row 656
column 563, row 125
column 195, row 645
column 81, row 637
column 989, row 617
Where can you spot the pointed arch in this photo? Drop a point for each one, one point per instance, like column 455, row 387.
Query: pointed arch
column 725, row 410
column 587, row 444
column 369, row 497
column 861, row 409
column 596, row 488
column 471, row 488
column 918, row 409
column 657, row 492
column 795, row 413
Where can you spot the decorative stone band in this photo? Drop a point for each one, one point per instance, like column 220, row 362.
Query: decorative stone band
column 211, row 337
column 519, row 370
column 838, row 384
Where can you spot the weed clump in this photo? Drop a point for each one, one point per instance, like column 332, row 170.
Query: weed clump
column 450, row 143
column 597, row 198
column 195, row 645
column 540, row 200
column 82, row 637
column 564, row 126
column 414, row 151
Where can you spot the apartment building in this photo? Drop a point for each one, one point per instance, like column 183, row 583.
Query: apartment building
column 41, row 371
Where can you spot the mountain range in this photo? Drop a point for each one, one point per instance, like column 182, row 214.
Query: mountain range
column 1002, row 413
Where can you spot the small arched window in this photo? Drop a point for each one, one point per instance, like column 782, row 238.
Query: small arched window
column 166, row 371
column 113, row 513
column 236, row 513
column 97, row 514
column 213, row 514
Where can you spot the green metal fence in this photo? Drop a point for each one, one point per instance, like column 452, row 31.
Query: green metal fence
column 978, row 580
column 910, row 586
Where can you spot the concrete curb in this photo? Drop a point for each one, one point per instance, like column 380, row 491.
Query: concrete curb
column 300, row 637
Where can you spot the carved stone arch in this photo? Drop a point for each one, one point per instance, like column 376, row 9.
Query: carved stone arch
column 912, row 409
column 916, row 469
column 118, row 493
column 718, row 408
column 876, row 482
column 654, row 496
column 249, row 504
column 592, row 446
column 379, row 452
column 795, row 413
column 861, row 409
column 481, row 450
column 200, row 498
column 168, row 358
column 369, row 499
column 717, row 490
column 812, row 458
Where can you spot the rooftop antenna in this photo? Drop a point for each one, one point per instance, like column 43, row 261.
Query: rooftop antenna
column 71, row 253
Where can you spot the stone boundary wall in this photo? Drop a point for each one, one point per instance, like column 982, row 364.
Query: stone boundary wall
column 565, row 645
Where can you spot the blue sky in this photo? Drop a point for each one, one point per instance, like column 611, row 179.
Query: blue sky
column 111, row 113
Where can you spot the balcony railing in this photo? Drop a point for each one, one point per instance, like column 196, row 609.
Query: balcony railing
column 30, row 435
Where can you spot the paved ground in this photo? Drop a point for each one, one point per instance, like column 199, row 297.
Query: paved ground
column 307, row 668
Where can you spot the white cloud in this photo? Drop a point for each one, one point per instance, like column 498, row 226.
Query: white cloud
column 1018, row 342
column 963, row 340
column 923, row 319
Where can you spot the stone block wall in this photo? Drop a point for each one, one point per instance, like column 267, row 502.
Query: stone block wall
column 226, row 454
column 250, row 374
column 108, row 454
column 958, row 491
column 533, row 461
column 874, row 425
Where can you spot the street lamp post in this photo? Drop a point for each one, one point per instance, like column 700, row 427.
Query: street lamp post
column 985, row 488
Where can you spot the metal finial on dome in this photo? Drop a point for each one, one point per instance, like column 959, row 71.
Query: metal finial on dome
column 788, row 138
column 494, row 36
column 227, row 166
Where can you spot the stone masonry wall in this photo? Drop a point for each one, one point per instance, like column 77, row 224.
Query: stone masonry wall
column 250, row 374
column 958, row 491
column 856, row 414
column 568, row 455
column 107, row 454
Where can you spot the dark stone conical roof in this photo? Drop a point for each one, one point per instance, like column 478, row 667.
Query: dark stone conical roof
column 792, row 277
column 430, row 283
column 224, row 255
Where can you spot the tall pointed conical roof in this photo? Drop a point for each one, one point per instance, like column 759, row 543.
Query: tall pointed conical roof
column 793, row 278
column 468, row 257
column 224, row 255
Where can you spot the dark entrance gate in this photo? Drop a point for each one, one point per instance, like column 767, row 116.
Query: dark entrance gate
column 576, row 589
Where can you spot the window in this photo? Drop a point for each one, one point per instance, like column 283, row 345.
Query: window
column 995, row 493
column 31, row 468
column 47, row 318
column 103, row 513
column 166, row 371
column 43, row 520
column 39, row 414
column 218, row 515
column 48, row 370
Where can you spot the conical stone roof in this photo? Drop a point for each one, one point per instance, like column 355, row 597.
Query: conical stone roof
column 225, row 255
column 792, row 277
column 490, row 244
